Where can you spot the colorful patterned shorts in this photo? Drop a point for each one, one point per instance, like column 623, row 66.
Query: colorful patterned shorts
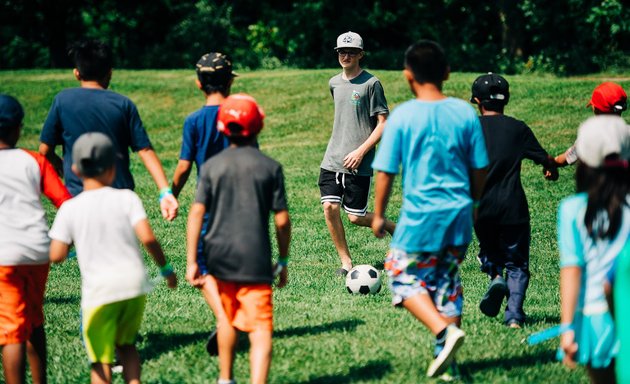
column 435, row 274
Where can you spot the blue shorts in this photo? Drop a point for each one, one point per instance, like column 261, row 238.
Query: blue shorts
column 436, row 274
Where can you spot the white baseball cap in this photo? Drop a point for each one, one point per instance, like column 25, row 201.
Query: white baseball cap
column 349, row 40
column 601, row 136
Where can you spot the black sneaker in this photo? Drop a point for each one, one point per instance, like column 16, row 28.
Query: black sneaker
column 212, row 346
column 490, row 304
column 341, row 272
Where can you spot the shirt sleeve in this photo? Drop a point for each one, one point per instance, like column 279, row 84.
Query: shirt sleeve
column 138, row 135
column 571, row 155
column 532, row 148
column 389, row 152
column 279, row 202
column 569, row 240
column 50, row 183
column 378, row 103
column 52, row 130
column 188, row 151
column 477, row 155
column 136, row 209
column 61, row 226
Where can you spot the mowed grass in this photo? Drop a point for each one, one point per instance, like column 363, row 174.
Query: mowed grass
column 323, row 334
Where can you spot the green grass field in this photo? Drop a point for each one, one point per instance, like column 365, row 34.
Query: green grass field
column 323, row 334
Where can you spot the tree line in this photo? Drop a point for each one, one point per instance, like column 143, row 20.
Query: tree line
column 507, row 36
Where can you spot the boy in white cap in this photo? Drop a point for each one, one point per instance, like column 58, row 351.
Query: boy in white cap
column 346, row 172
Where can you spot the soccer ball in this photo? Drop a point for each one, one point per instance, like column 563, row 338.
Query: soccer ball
column 363, row 279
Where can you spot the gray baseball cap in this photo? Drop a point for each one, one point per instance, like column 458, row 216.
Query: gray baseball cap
column 349, row 40
column 93, row 153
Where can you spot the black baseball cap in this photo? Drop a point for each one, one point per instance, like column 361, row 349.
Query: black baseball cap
column 11, row 112
column 93, row 153
column 215, row 65
column 490, row 87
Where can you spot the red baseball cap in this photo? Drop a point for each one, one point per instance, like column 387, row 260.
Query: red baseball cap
column 609, row 98
column 240, row 116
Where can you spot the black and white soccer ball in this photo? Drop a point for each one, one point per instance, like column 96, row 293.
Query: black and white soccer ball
column 363, row 279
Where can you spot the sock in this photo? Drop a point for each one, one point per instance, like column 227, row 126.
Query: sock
column 440, row 339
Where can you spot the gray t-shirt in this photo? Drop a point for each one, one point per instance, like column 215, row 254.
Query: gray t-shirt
column 240, row 187
column 357, row 104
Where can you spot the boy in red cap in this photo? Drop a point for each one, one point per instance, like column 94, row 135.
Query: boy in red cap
column 24, row 242
column 240, row 187
column 608, row 99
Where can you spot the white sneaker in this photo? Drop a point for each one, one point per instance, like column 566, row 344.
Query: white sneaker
column 454, row 339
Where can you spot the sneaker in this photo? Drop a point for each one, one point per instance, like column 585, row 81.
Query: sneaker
column 451, row 374
column 453, row 339
column 117, row 367
column 341, row 272
column 490, row 304
column 514, row 324
column 212, row 346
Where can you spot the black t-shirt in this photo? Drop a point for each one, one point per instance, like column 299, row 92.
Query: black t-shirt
column 240, row 187
column 508, row 141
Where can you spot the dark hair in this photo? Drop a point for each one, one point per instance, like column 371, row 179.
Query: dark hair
column 10, row 135
column 494, row 105
column 427, row 61
column 608, row 189
column 211, row 83
column 92, row 58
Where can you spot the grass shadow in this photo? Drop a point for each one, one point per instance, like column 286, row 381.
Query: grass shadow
column 62, row 300
column 545, row 319
column 373, row 370
column 505, row 364
column 348, row 325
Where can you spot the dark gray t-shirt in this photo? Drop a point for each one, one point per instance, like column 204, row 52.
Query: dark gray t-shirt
column 240, row 187
column 357, row 104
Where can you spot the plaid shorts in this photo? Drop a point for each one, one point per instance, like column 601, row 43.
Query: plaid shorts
column 435, row 274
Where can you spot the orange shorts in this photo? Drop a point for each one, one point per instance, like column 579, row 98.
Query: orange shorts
column 21, row 301
column 247, row 306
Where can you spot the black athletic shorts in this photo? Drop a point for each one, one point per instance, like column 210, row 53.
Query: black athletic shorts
column 351, row 191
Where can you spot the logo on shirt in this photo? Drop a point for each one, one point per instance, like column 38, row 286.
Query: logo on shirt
column 355, row 97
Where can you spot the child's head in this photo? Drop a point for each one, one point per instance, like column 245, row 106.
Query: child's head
column 94, row 156
column 426, row 61
column 491, row 91
column 608, row 98
column 349, row 49
column 93, row 61
column 240, row 118
column 11, row 115
column 214, row 73
column 603, row 148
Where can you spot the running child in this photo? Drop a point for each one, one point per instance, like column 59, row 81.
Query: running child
column 502, row 226
column 439, row 143
column 593, row 229
column 24, row 243
column 240, row 187
column 105, row 224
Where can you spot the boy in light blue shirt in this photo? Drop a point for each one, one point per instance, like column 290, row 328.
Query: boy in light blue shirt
column 439, row 142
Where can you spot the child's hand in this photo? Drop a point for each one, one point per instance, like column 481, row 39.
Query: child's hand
column 169, row 207
column 171, row 280
column 569, row 347
column 282, row 275
column 378, row 226
column 551, row 174
column 192, row 275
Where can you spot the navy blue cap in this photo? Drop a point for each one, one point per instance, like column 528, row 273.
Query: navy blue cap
column 11, row 112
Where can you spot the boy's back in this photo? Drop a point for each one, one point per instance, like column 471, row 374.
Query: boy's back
column 201, row 139
column 79, row 110
column 240, row 187
column 508, row 142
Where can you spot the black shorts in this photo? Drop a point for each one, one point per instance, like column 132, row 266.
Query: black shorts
column 351, row 191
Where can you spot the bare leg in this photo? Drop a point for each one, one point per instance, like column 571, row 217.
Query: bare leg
column 260, row 355
column 36, row 353
column 227, row 337
column 332, row 213
column 423, row 308
column 210, row 292
column 366, row 221
column 101, row 373
column 130, row 360
column 13, row 363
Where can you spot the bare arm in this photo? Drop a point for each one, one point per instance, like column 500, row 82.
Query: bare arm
column 147, row 238
column 283, row 235
column 182, row 171
column 569, row 292
column 56, row 161
column 383, row 188
column 354, row 158
column 58, row 251
column 193, row 231
column 168, row 204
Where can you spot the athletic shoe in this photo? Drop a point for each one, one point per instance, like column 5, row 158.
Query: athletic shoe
column 453, row 339
column 490, row 304
column 515, row 324
column 212, row 346
column 341, row 272
column 451, row 374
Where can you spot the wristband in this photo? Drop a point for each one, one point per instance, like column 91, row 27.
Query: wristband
column 476, row 203
column 165, row 192
column 283, row 261
column 166, row 270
